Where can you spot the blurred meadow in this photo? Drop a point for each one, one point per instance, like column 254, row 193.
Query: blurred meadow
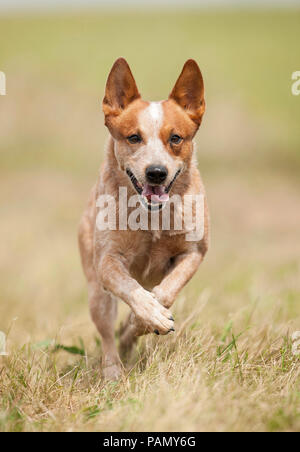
column 229, row 366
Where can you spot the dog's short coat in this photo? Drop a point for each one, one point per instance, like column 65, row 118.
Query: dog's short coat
column 150, row 151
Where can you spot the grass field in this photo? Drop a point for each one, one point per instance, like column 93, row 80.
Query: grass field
column 230, row 365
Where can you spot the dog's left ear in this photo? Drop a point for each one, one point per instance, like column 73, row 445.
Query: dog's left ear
column 120, row 89
column 188, row 91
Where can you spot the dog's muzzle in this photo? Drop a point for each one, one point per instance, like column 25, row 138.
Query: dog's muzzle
column 153, row 197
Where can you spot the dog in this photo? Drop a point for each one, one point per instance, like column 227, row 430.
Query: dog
column 150, row 152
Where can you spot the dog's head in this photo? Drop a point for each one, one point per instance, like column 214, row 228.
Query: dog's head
column 153, row 140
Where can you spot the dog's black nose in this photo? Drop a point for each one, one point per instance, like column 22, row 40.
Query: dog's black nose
column 156, row 174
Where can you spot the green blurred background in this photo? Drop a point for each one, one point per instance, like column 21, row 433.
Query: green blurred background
column 52, row 138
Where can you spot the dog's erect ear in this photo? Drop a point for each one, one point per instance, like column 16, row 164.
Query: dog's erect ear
column 120, row 90
column 188, row 91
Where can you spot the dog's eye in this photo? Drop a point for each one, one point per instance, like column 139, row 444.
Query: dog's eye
column 134, row 139
column 175, row 139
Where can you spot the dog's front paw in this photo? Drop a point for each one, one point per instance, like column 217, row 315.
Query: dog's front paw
column 150, row 313
column 164, row 298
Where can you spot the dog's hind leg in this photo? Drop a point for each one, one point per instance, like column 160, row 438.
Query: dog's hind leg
column 103, row 308
column 129, row 333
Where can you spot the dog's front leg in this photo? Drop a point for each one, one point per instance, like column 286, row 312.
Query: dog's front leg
column 151, row 316
column 183, row 269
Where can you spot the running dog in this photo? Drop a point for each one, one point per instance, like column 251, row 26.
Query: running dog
column 150, row 152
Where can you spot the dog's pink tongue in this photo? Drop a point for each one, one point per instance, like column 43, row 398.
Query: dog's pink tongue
column 160, row 191
column 155, row 194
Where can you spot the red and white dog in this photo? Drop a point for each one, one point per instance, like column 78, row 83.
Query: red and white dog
column 151, row 153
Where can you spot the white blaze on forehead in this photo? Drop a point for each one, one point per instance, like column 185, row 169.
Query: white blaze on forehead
column 151, row 119
column 154, row 152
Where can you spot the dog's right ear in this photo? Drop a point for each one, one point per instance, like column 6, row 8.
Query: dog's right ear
column 188, row 91
column 120, row 89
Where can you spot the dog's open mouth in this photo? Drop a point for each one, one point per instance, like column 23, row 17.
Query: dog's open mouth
column 153, row 196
